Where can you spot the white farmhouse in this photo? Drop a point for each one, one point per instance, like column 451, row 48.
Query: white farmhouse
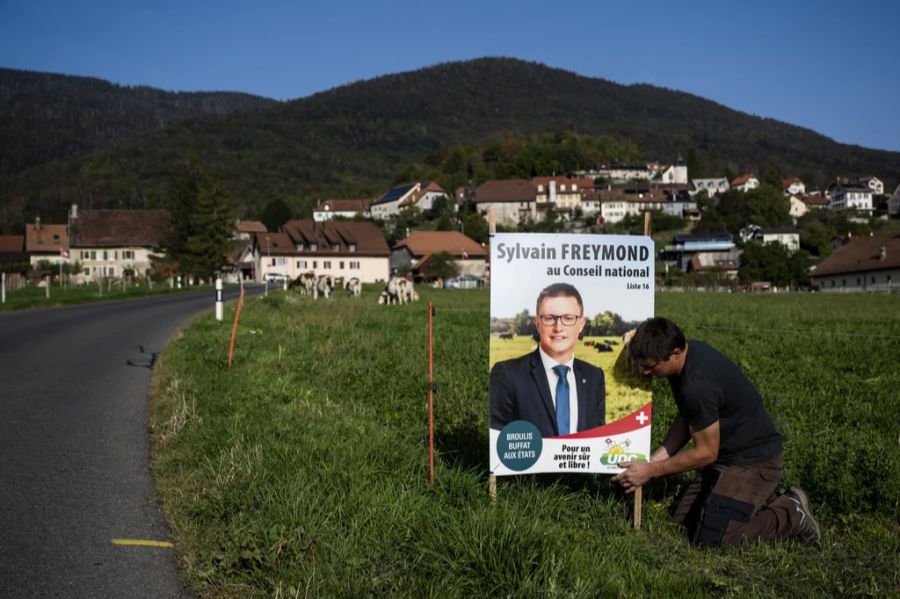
column 793, row 186
column 745, row 183
column 420, row 194
column 710, row 186
column 850, row 196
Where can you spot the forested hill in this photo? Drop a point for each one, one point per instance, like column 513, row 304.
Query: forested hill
column 44, row 116
column 356, row 139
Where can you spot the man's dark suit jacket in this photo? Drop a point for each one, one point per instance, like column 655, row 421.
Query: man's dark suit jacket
column 519, row 391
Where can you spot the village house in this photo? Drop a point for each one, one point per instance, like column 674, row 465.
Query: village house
column 815, row 201
column 685, row 246
column 672, row 173
column 348, row 209
column 621, row 172
column 793, row 186
column 619, row 201
column 798, row 207
column 850, row 196
column 788, row 237
column 562, row 193
column 46, row 243
column 421, row 195
column 723, row 264
column 710, row 186
column 510, row 200
column 894, row 203
column 115, row 243
column 745, row 183
column 869, row 264
column 12, row 250
column 342, row 249
column 873, row 183
column 417, row 251
column 244, row 230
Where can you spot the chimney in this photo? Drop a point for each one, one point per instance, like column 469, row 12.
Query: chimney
column 883, row 253
column 37, row 223
column 74, row 213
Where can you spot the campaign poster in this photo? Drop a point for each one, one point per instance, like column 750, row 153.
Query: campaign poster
column 563, row 397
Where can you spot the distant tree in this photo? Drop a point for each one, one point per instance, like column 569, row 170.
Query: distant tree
column 693, row 164
column 475, row 227
column 275, row 213
column 773, row 262
column 443, row 266
column 201, row 221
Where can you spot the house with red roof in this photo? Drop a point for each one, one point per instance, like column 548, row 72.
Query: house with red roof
column 868, row 263
column 745, row 182
column 342, row 249
column 417, row 251
column 46, row 243
column 510, row 201
column 115, row 243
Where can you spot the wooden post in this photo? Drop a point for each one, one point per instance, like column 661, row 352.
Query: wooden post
column 237, row 314
column 430, row 397
column 492, row 478
column 639, row 491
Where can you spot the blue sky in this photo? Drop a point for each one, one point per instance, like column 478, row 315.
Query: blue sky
column 830, row 66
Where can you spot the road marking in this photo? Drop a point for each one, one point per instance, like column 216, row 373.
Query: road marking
column 141, row 543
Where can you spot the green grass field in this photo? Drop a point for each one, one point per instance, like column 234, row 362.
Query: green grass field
column 36, row 297
column 303, row 470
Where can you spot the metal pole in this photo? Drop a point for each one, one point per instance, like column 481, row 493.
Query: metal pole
column 219, row 307
column 3, row 286
column 47, row 288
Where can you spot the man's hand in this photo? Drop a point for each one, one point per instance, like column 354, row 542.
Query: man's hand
column 635, row 475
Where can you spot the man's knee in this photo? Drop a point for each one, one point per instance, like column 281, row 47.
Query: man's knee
column 720, row 511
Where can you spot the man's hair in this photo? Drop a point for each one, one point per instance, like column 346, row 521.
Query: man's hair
column 557, row 290
column 655, row 339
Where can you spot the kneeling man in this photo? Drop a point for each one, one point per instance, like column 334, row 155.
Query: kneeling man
column 736, row 447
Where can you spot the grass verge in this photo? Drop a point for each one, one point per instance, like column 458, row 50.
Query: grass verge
column 302, row 471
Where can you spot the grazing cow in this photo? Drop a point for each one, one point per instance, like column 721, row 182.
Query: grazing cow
column 612, row 342
column 507, row 336
column 353, row 286
column 384, row 297
column 324, row 286
column 398, row 290
column 602, row 347
column 306, row 282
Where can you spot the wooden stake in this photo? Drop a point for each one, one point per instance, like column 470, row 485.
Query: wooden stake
column 639, row 491
column 430, row 398
column 237, row 314
column 492, row 478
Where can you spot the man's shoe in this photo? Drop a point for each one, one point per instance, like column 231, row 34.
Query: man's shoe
column 809, row 530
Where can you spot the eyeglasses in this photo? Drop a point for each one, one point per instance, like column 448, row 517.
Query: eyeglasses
column 550, row 319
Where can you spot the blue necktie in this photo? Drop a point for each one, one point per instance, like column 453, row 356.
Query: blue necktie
column 562, row 399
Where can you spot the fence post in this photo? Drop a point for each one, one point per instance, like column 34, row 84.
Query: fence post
column 3, row 285
column 219, row 307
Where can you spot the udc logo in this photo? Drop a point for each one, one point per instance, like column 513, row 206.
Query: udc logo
column 617, row 455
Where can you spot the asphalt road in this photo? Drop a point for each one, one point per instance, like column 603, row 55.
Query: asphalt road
column 74, row 449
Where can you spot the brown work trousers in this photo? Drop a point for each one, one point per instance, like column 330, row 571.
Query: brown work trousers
column 730, row 505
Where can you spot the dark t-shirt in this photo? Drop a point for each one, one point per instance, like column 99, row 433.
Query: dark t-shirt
column 711, row 387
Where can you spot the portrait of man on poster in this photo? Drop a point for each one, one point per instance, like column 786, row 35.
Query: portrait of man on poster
column 549, row 387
